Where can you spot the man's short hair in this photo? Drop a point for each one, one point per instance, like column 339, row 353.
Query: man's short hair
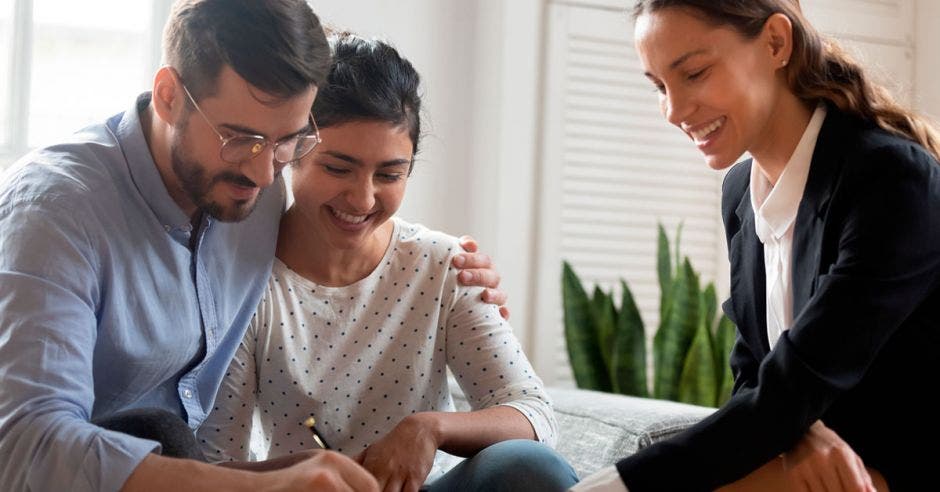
column 277, row 46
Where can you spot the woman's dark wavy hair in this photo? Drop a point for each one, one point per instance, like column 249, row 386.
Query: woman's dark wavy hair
column 369, row 80
column 818, row 69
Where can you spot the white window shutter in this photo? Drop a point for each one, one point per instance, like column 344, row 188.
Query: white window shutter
column 611, row 168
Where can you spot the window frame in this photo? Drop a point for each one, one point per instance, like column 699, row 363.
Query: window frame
column 20, row 78
column 15, row 142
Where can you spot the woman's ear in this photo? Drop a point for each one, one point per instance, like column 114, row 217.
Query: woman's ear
column 778, row 34
column 167, row 100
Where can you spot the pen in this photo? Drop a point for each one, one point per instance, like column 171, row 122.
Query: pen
column 310, row 422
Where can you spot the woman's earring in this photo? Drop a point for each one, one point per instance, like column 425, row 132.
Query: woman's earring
column 784, row 63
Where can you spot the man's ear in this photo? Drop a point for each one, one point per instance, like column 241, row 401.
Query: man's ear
column 167, row 98
column 778, row 33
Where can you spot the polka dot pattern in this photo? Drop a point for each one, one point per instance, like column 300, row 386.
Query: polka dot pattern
column 360, row 358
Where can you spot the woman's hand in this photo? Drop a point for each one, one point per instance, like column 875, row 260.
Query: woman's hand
column 822, row 461
column 476, row 269
column 402, row 459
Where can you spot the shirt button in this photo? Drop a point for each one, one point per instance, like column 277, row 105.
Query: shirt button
column 187, row 393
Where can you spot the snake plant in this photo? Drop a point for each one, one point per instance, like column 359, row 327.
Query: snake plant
column 607, row 343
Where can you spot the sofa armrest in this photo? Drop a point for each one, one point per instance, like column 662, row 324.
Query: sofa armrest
column 598, row 429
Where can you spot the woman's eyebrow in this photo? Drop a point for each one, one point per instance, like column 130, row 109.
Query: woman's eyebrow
column 681, row 59
column 353, row 160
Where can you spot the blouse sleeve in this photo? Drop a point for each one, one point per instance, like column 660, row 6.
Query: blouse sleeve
column 226, row 433
column 488, row 362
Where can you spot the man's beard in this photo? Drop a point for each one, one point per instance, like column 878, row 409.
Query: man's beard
column 197, row 186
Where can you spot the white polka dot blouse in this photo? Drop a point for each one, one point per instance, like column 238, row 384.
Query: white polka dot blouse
column 362, row 357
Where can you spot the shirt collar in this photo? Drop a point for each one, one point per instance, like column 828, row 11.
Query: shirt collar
column 775, row 206
column 143, row 169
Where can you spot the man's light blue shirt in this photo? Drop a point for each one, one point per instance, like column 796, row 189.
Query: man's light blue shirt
column 104, row 306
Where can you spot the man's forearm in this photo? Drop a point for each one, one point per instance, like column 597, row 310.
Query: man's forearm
column 325, row 471
column 159, row 473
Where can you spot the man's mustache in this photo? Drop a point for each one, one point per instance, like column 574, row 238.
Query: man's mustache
column 236, row 179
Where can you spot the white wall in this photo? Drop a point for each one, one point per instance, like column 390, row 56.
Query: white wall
column 927, row 58
column 505, row 143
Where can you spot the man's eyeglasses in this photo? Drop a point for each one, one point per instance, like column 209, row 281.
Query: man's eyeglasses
column 241, row 148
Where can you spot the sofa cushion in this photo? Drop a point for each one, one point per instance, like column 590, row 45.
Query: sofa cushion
column 598, row 429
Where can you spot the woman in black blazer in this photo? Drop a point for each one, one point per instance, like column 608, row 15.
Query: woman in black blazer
column 833, row 231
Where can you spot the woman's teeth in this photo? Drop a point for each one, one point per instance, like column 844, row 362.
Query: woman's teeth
column 352, row 219
column 704, row 132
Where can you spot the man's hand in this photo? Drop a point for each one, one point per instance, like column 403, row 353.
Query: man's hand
column 326, row 471
column 402, row 459
column 476, row 269
column 822, row 461
column 316, row 470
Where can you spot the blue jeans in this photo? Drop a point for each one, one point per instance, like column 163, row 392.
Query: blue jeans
column 517, row 465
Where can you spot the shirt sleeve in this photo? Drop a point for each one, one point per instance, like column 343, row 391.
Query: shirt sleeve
column 48, row 326
column 226, row 433
column 488, row 362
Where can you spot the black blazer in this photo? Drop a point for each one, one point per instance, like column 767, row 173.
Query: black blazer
column 863, row 353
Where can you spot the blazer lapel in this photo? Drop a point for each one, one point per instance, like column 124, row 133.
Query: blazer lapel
column 747, row 277
column 810, row 217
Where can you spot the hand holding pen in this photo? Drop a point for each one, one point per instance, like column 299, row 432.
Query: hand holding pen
column 310, row 422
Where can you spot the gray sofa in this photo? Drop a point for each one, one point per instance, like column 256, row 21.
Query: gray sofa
column 597, row 429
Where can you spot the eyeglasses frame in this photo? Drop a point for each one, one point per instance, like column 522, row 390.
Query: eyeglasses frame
column 262, row 140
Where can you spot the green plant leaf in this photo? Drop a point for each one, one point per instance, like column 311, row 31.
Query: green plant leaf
column 676, row 331
column 698, row 384
column 581, row 336
column 678, row 241
column 724, row 342
column 663, row 270
column 628, row 368
column 710, row 301
column 605, row 319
